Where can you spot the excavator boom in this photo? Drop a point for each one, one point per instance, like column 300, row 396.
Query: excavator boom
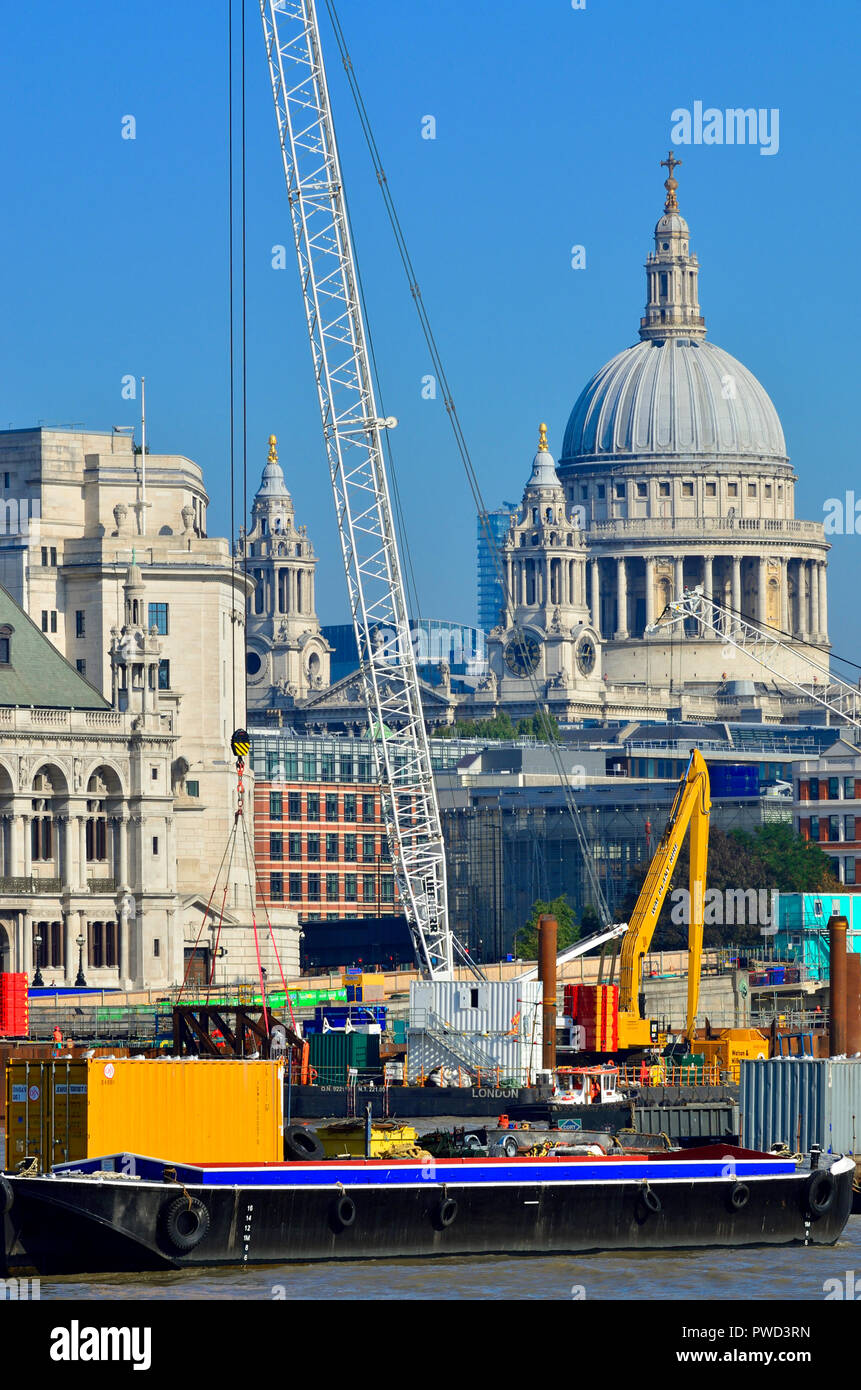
column 691, row 808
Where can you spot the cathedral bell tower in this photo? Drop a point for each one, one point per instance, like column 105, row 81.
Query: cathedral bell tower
column 544, row 560
column 287, row 657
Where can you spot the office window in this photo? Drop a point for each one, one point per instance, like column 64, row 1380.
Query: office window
column 833, row 828
column 294, row 843
column 273, row 767
column 350, row 806
column 158, row 618
column 155, row 844
column 314, row 887
column 849, row 871
column 294, row 805
column 350, row 848
column 331, row 847
column 331, row 806
column 387, row 889
column 327, row 767
column 44, row 620
column 6, row 480
column 153, row 774
column 332, row 888
column 849, row 828
column 346, row 768
column 275, row 805
column 814, row 827
column 369, row 886
column 276, row 888
column 44, row 555
column 849, row 788
column 295, row 888
column 164, row 675
column 368, row 808
column 312, row 850
column 368, row 848
column 192, row 789
column 833, row 788
column 350, row 888
column 80, row 623
column 80, row 665
column 276, row 845
column 813, row 789
column 312, row 804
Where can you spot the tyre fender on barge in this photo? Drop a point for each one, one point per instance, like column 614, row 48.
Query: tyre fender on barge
column 146, row 1215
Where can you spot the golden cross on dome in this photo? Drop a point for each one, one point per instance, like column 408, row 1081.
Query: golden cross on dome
column 273, row 452
column 671, row 184
column 542, row 439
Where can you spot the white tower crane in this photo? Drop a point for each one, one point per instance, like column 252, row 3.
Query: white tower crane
column 352, row 432
column 763, row 645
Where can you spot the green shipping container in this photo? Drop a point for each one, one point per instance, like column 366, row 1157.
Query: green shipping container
column 332, row 1054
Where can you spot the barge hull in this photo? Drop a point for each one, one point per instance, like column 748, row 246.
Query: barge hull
column 58, row 1225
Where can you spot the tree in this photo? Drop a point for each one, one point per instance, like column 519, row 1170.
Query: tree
column 590, row 922
column 772, row 857
column 526, row 937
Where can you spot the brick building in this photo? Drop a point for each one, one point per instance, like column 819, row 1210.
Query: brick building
column 827, row 806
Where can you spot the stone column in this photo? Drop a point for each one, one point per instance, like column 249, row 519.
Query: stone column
column 82, row 851
column 650, row 590
column 823, row 601
column 70, row 950
column 621, row 599
column 679, row 577
column 736, row 583
column 708, row 589
column 784, row 594
column 26, row 944
column 761, row 601
column 814, row 599
column 27, row 845
column 596, row 597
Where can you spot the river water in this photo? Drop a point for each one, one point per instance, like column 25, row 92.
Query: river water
column 782, row 1274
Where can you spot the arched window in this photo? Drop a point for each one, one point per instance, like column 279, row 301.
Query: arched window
column 97, row 820
column 6, row 644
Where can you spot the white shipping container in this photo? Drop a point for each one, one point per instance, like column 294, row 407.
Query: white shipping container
column 475, row 1025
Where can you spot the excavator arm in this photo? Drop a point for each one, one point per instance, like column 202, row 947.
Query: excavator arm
column 691, row 808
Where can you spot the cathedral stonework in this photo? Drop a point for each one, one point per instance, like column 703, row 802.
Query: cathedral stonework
column 287, row 658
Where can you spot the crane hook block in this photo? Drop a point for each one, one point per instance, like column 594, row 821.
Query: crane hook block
column 240, row 743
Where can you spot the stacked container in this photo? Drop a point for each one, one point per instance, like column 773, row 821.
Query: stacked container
column 595, row 1008
column 14, row 1005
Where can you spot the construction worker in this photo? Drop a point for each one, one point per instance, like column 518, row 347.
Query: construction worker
column 58, row 1037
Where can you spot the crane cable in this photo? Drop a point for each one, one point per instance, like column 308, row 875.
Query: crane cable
column 463, row 449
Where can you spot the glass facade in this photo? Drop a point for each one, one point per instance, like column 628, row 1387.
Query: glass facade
column 490, row 595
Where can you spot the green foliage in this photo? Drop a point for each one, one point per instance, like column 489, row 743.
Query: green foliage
column 590, row 922
column 526, row 937
column 771, row 857
column 541, row 726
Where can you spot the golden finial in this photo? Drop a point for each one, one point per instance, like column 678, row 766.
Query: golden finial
column 670, row 184
column 273, row 452
column 542, row 439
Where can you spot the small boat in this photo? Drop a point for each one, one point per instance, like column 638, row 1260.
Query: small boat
column 128, row 1212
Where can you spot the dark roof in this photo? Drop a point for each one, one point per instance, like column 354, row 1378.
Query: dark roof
column 37, row 674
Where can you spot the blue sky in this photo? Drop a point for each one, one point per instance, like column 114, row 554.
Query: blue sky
column 550, row 125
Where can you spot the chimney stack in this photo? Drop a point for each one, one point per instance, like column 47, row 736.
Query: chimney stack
column 547, row 933
column 837, row 928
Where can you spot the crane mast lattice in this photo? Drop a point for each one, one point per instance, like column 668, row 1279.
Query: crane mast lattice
column 352, row 433
column 763, row 646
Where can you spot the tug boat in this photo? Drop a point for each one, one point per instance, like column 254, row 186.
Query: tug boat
column 129, row 1212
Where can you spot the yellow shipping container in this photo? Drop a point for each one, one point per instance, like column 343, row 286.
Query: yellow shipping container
column 185, row 1111
column 388, row 1138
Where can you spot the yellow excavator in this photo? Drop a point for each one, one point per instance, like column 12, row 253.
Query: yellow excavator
column 691, row 808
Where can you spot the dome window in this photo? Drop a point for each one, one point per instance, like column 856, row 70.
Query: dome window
column 751, row 489
column 663, row 489
column 620, row 491
column 642, row 490
column 732, row 490
column 687, row 489
column 602, row 491
column 711, row 489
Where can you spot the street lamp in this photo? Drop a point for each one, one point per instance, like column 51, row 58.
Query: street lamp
column 38, row 982
column 80, row 982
